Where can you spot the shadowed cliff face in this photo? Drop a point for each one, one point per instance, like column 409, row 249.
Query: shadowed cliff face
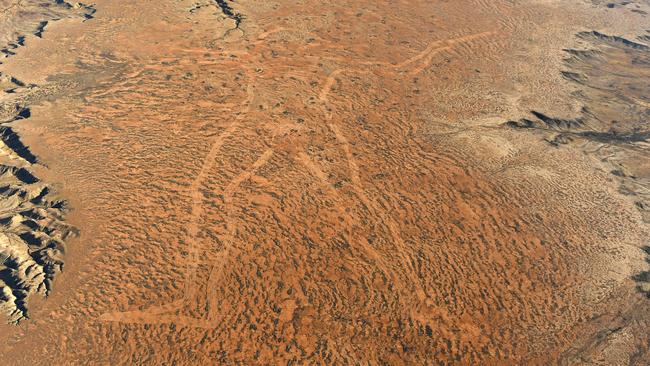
column 635, row 6
column 23, row 18
column 613, row 76
column 32, row 230
column 332, row 183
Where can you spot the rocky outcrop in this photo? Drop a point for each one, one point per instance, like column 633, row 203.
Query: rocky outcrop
column 32, row 230
column 32, row 227
column 30, row 17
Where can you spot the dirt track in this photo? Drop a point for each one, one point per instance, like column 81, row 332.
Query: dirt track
column 377, row 182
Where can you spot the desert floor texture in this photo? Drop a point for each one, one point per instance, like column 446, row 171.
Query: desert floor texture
column 368, row 182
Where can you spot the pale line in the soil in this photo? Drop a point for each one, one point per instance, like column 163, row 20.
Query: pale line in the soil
column 217, row 268
column 154, row 313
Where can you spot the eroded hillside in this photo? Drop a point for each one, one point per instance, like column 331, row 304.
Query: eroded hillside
column 338, row 183
column 32, row 229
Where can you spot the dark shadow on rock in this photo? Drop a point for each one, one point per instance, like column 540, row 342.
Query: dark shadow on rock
column 643, row 279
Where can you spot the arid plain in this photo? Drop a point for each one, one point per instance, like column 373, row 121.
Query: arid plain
column 305, row 182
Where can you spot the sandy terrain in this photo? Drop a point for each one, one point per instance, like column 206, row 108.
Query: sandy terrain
column 369, row 182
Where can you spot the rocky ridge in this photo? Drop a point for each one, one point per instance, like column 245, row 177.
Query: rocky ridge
column 32, row 227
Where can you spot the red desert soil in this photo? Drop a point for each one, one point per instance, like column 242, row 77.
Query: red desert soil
column 308, row 182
